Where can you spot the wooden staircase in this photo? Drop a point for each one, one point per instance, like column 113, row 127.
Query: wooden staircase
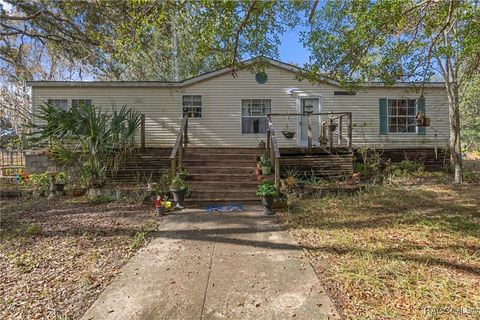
column 144, row 165
column 335, row 163
column 222, row 174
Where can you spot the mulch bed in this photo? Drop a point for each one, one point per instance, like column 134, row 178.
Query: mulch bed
column 57, row 256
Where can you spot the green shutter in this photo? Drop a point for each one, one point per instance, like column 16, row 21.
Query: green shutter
column 421, row 108
column 383, row 111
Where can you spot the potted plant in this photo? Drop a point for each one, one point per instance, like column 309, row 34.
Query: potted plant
column 265, row 164
column 59, row 184
column 288, row 182
column 182, row 173
column 179, row 188
column 268, row 192
column 289, row 134
column 40, row 183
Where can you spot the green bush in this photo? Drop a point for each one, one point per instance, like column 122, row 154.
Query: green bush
column 404, row 168
column 39, row 181
column 61, row 177
column 102, row 198
column 267, row 189
column 139, row 240
column 265, row 160
column 178, row 184
column 33, row 230
column 471, row 176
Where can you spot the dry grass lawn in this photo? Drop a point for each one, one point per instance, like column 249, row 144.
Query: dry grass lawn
column 396, row 252
column 57, row 256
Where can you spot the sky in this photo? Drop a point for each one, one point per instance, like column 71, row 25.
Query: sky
column 291, row 49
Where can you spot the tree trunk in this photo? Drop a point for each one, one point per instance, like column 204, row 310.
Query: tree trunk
column 455, row 145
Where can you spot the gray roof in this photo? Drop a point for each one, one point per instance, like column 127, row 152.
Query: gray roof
column 208, row 75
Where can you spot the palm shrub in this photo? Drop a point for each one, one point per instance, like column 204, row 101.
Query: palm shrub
column 86, row 140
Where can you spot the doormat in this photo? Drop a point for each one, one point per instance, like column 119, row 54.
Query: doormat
column 227, row 208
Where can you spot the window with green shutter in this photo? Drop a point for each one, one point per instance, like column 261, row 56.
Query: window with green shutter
column 399, row 116
column 383, row 116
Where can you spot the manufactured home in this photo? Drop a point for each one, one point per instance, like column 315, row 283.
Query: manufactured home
column 202, row 120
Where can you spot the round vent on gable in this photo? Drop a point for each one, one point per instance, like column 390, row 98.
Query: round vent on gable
column 261, row 77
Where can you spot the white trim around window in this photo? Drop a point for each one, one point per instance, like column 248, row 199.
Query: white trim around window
column 81, row 102
column 59, row 103
column 192, row 106
column 254, row 115
column 401, row 116
column 65, row 104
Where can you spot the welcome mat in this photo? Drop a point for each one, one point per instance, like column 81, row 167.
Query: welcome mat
column 226, row 208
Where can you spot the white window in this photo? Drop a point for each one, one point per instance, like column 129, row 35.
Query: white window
column 59, row 103
column 81, row 102
column 254, row 115
column 401, row 115
column 192, row 106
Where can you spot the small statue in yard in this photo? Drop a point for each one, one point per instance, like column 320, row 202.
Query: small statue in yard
column 161, row 205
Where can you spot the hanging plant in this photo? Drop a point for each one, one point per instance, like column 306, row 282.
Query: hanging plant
column 289, row 134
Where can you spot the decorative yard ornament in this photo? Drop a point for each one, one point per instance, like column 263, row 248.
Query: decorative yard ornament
column 160, row 209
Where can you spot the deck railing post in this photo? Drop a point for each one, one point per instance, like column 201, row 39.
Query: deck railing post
column 185, row 132
column 142, row 131
column 350, row 127
column 277, row 173
column 173, row 167
column 309, row 134
column 268, row 141
column 340, row 125
column 330, row 132
column 180, row 154
column 272, row 156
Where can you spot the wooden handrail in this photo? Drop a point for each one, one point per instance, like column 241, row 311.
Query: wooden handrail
column 272, row 146
column 178, row 147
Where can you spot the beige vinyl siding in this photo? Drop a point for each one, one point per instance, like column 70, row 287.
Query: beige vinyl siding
column 222, row 96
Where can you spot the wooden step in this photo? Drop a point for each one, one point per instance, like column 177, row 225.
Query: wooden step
column 218, row 163
column 153, row 151
column 223, row 185
column 223, row 150
column 233, row 177
column 249, row 171
column 221, row 157
column 221, row 194
column 215, row 201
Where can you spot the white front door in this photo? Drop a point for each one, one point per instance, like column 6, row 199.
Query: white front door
column 308, row 105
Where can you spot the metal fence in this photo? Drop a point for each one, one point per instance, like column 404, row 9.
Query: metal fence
column 11, row 162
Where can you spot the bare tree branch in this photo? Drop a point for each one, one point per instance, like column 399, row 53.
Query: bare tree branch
column 312, row 13
column 21, row 18
column 239, row 31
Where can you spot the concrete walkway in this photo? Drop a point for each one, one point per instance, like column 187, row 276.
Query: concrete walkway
column 216, row 266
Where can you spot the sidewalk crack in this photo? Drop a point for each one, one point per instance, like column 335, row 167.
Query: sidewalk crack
column 210, row 268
